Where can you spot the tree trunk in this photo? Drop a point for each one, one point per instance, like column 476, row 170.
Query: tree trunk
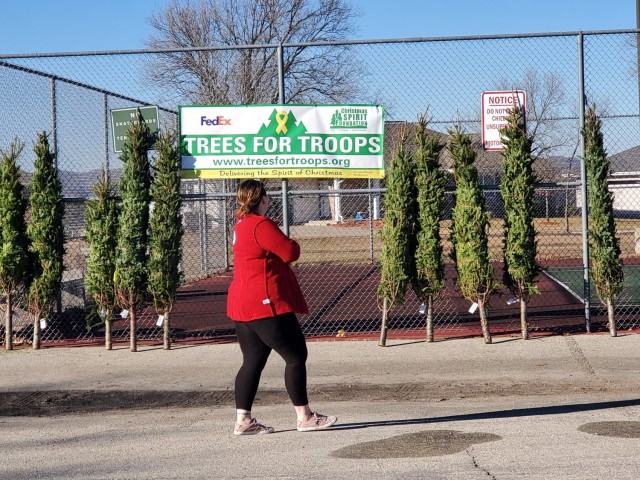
column 36, row 331
column 384, row 326
column 167, row 331
column 524, row 324
column 484, row 322
column 108, row 343
column 8, row 325
column 430, row 318
column 613, row 328
column 133, row 340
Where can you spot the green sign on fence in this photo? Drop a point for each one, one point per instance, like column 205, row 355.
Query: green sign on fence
column 121, row 118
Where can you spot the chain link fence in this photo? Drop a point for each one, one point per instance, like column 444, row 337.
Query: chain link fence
column 338, row 223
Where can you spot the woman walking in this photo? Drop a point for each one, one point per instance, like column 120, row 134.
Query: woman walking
column 263, row 300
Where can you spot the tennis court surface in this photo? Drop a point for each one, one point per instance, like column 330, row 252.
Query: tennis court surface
column 571, row 279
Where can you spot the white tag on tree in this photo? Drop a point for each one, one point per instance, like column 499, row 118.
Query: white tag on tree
column 103, row 312
column 512, row 300
column 473, row 307
column 422, row 310
column 43, row 323
column 160, row 320
column 124, row 313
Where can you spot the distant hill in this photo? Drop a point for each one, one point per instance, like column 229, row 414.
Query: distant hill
column 488, row 163
column 80, row 184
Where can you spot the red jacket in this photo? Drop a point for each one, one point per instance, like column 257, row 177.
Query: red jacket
column 263, row 283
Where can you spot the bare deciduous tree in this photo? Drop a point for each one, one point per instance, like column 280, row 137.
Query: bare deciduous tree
column 250, row 75
column 545, row 102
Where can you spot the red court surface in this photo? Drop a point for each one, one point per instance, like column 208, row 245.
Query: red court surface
column 342, row 298
column 343, row 306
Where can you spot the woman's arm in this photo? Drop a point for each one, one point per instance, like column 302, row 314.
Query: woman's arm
column 270, row 238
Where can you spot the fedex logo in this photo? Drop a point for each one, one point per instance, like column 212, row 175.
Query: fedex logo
column 219, row 120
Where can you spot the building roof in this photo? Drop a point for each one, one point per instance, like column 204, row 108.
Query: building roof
column 626, row 161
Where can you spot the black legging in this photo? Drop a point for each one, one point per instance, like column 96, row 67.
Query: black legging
column 257, row 338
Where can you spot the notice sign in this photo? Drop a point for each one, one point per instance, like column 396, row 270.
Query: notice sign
column 121, row 118
column 282, row 141
column 496, row 107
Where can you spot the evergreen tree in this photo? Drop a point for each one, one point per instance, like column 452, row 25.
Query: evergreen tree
column 517, row 186
column 101, row 225
column 132, row 270
column 430, row 181
column 475, row 275
column 606, row 264
column 397, row 233
column 165, row 233
column 46, row 235
column 14, row 243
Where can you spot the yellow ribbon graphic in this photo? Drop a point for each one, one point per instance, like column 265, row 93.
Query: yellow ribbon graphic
column 281, row 118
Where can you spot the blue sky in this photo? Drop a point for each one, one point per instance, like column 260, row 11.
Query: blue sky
column 39, row 26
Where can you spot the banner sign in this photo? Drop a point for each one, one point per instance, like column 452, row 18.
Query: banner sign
column 496, row 107
column 282, row 141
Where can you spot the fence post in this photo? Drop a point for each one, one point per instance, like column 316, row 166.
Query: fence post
column 376, row 200
column 285, row 183
column 202, row 225
column 583, row 190
column 638, row 51
column 105, row 110
column 225, row 223
column 54, row 123
column 370, row 221
column 54, row 143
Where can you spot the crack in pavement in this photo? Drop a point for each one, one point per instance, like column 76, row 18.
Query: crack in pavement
column 578, row 354
column 476, row 465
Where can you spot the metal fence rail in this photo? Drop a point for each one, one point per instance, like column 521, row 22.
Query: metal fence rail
column 338, row 223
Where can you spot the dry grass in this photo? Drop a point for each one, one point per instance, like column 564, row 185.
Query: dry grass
column 556, row 240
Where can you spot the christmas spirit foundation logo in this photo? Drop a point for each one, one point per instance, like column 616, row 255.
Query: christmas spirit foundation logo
column 349, row 117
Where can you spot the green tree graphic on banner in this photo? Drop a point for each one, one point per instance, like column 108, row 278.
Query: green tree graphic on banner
column 282, row 122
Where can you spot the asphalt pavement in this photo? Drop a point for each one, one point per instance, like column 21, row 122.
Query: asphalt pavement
column 552, row 407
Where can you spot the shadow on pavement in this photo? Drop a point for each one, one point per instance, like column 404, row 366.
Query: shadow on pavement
column 518, row 412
